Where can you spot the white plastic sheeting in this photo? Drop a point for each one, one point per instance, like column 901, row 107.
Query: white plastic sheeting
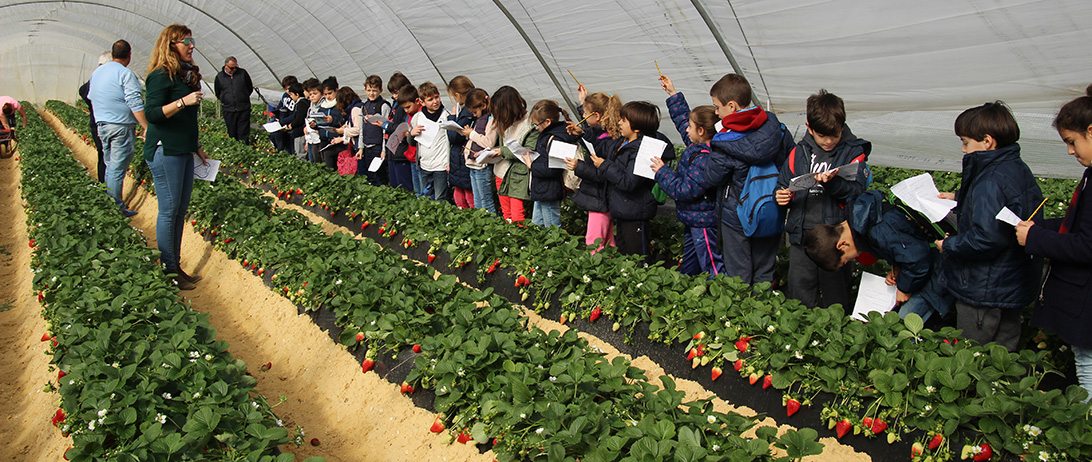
column 904, row 68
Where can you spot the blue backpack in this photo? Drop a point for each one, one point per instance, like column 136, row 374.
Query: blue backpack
column 758, row 210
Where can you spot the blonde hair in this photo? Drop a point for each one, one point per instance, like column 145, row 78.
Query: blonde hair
column 163, row 55
column 609, row 107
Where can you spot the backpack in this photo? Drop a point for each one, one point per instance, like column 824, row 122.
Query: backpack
column 758, row 211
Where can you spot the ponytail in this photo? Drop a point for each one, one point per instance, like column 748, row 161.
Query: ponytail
column 548, row 109
column 705, row 118
column 1076, row 115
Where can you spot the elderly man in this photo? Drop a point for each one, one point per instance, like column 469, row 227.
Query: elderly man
column 233, row 88
column 118, row 108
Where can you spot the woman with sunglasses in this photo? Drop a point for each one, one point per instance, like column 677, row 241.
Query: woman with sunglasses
column 172, row 104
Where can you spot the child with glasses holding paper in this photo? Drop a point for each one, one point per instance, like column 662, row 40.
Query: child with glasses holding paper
column 547, row 189
column 985, row 268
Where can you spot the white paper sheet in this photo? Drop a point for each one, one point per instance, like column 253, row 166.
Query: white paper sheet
column 1008, row 216
column 375, row 118
column 396, row 138
column 376, row 163
column 591, row 148
column 874, row 295
column 486, row 156
column 920, row 193
column 428, row 136
column 205, row 172
column 451, row 125
column 273, row 126
column 807, row 181
column 650, row 147
column 559, row 151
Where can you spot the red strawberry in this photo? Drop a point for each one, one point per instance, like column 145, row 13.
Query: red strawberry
column 701, row 350
column 45, row 337
column 699, row 335
column 314, row 442
column 693, row 353
column 464, row 438
column 595, row 314
column 867, row 422
column 843, row 427
column 260, row 272
column 985, row 454
column 54, row 339
column 431, row 257
column 916, row 450
column 767, row 381
column 32, row 243
column 936, row 441
column 437, row 426
column 406, row 388
column 491, row 269
column 58, row 417
column 365, row 225
column 359, row 336
column 41, row 296
column 741, row 345
column 738, row 366
column 716, row 373
column 417, row 348
column 878, row 426
column 367, row 365
column 391, row 234
column 754, row 379
column 299, row 191
column 193, row 222
column 60, row 374
column 791, row 406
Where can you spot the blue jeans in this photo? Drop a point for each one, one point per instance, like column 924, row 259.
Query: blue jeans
column 700, row 252
column 1083, row 358
column 438, row 182
column 415, row 177
column 481, row 185
column 173, row 180
column 117, row 152
column 546, row 213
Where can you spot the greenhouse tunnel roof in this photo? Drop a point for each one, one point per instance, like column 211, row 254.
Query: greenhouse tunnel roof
column 904, row 69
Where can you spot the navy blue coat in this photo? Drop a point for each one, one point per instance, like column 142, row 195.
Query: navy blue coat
column 630, row 196
column 546, row 182
column 1066, row 296
column 458, row 175
column 733, row 156
column 695, row 196
column 835, row 192
column 985, row 266
column 592, row 193
column 397, row 117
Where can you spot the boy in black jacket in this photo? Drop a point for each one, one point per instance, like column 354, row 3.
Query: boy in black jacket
column 829, row 144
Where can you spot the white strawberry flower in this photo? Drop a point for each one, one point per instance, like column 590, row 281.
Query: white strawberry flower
column 540, row 430
column 166, row 396
column 161, row 418
column 102, row 412
column 711, row 419
column 91, row 425
column 208, row 357
column 586, row 279
column 1044, row 456
column 197, row 395
column 553, row 379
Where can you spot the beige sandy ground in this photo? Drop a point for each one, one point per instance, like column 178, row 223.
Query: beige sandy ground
column 357, row 417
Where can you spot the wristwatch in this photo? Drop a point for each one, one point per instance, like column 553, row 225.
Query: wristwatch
column 180, row 104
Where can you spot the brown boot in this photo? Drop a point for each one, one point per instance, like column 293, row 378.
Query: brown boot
column 179, row 281
column 192, row 279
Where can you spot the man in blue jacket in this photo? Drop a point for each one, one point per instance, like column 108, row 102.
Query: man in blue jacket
column 887, row 233
column 118, row 108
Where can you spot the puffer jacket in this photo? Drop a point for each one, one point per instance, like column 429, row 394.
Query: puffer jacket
column 695, row 196
column 630, row 196
column 985, row 265
column 592, row 193
column 835, row 192
column 546, row 182
column 458, row 175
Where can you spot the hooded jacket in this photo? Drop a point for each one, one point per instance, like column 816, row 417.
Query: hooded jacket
column 749, row 137
column 985, row 266
column 458, row 174
column 695, row 196
column 830, row 197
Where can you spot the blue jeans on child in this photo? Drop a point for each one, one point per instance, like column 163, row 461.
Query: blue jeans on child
column 546, row 213
column 437, row 181
column 173, row 180
column 481, row 185
column 415, row 176
column 1083, row 358
column 117, row 152
column 700, row 252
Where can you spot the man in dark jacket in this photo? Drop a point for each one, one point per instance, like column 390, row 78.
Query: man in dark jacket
column 233, row 88
column 887, row 233
column 750, row 137
column 84, row 91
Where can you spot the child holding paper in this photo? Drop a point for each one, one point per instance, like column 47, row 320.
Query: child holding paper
column 458, row 177
column 298, row 120
column 433, row 150
column 1067, row 296
column 828, row 144
column 601, row 114
column 349, row 103
column 695, row 196
column 313, row 89
column 371, row 135
column 547, row 189
column 398, row 164
column 509, row 111
column 630, row 194
column 480, row 137
column 871, row 225
column 987, row 271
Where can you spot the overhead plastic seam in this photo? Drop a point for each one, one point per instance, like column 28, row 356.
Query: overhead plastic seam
column 232, row 31
column 98, row 5
column 758, row 69
column 419, row 44
column 541, row 60
column 724, row 46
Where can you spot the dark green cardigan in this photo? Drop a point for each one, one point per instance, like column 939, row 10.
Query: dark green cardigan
column 178, row 133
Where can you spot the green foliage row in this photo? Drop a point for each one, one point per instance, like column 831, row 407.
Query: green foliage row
column 141, row 376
